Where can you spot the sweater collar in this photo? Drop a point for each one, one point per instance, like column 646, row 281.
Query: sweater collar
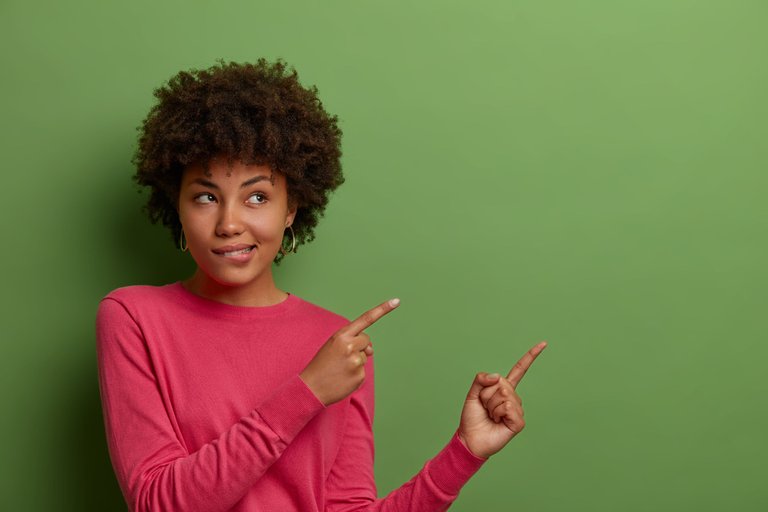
column 211, row 307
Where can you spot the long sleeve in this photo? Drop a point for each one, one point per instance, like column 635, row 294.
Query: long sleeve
column 155, row 470
column 351, row 486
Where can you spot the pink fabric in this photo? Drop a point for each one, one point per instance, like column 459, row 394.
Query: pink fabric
column 204, row 410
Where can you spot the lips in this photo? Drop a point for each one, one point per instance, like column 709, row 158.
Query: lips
column 228, row 250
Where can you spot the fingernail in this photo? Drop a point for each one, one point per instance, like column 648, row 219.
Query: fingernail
column 493, row 375
column 394, row 302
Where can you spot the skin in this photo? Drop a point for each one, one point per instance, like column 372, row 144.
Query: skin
column 493, row 411
column 215, row 210
column 250, row 204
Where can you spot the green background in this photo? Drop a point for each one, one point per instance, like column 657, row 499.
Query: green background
column 592, row 173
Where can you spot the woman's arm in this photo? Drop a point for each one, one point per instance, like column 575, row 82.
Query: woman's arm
column 492, row 415
column 351, row 486
column 153, row 467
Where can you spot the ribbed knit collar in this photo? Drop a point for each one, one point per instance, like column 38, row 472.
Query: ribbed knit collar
column 211, row 307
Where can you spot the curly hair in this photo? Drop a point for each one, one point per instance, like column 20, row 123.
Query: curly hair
column 255, row 113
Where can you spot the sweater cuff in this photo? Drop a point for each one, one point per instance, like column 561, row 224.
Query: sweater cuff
column 290, row 408
column 454, row 465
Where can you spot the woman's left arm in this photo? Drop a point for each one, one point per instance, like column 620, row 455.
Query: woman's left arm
column 351, row 486
column 491, row 416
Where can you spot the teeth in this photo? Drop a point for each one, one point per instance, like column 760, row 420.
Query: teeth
column 241, row 251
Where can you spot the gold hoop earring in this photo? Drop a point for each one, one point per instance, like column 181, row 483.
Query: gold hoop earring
column 182, row 242
column 293, row 244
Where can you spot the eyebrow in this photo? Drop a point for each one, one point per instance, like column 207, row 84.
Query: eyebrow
column 246, row 183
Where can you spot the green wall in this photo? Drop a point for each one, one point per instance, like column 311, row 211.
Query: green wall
column 592, row 173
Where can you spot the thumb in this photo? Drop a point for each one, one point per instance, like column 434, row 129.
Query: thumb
column 482, row 380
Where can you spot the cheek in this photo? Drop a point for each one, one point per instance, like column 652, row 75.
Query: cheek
column 269, row 230
column 193, row 225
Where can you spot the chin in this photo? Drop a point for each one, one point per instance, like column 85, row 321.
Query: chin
column 232, row 276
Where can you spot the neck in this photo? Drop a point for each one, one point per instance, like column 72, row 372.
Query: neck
column 257, row 294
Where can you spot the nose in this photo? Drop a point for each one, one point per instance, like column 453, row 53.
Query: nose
column 229, row 223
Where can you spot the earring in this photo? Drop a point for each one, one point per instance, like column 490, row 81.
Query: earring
column 293, row 244
column 182, row 242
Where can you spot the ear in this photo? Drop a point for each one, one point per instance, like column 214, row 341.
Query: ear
column 292, row 209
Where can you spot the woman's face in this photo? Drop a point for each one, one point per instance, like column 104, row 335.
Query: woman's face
column 234, row 219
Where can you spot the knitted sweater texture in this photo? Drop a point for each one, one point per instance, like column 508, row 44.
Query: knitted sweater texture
column 204, row 410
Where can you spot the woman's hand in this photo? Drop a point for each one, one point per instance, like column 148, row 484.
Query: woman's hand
column 493, row 411
column 338, row 367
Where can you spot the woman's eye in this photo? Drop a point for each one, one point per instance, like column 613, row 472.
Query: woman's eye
column 205, row 198
column 256, row 198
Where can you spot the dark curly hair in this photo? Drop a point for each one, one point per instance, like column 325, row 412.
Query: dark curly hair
column 255, row 113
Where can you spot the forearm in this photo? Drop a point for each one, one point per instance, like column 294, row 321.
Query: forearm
column 433, row 489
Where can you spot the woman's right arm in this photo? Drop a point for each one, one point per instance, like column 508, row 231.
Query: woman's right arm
column 153, row 467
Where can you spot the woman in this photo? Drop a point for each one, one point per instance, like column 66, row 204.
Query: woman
column 224, row 392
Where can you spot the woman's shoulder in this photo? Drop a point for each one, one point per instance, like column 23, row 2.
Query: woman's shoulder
column 143, row 294
column 127, row 306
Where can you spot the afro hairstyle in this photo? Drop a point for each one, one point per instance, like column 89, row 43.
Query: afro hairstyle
column 254, row 113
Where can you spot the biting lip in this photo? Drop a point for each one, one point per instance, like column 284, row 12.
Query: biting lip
column 232, row 248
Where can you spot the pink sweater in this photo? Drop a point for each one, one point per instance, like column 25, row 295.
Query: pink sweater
column 204, row 410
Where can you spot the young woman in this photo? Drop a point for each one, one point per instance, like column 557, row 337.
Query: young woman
column 224, row 392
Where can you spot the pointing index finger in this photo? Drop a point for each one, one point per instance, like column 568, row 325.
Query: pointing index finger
column 368, row 318
column 517, row 372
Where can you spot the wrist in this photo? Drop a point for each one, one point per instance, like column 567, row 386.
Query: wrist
column 313, row 387
column 470, row 449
